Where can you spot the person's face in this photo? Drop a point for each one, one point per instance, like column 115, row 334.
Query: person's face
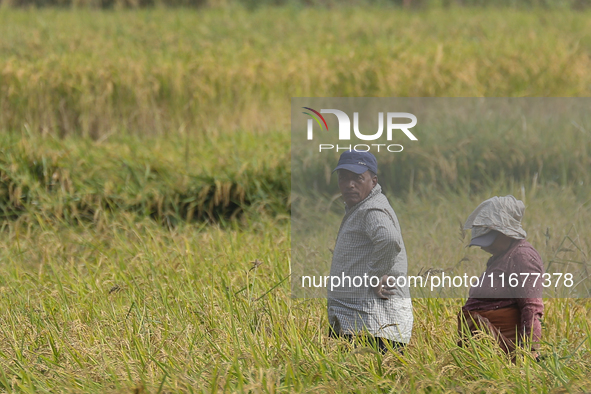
column 490, row 249
column 501, row 244
column 355, row 187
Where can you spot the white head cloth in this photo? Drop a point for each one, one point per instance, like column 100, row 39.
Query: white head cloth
column 502, row 214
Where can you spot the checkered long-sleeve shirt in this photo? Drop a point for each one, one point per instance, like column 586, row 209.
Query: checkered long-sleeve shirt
column 369, row 244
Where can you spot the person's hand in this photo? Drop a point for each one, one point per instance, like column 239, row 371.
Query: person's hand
column 382, row 290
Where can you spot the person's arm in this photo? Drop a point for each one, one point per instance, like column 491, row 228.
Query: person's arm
column 387, row 241
column 529, row 295
column 532, row 310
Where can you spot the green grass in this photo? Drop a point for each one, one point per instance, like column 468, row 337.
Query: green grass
column 171, row 180
column 185, row 178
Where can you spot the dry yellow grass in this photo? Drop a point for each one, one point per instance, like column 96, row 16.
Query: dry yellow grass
column 170, row 71
column 128, row 303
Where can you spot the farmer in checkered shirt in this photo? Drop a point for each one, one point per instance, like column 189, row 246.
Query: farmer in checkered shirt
column 369, row 256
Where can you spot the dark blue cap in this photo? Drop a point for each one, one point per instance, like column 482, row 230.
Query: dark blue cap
column 357, row 162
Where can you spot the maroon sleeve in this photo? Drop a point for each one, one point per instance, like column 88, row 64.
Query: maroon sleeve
column 532, row 310
column 529, row 292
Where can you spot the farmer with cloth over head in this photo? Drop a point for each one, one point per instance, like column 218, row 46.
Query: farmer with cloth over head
column 510, row 312
column 369, row 256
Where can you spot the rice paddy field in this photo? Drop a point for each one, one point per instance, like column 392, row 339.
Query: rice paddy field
column 145, row 194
